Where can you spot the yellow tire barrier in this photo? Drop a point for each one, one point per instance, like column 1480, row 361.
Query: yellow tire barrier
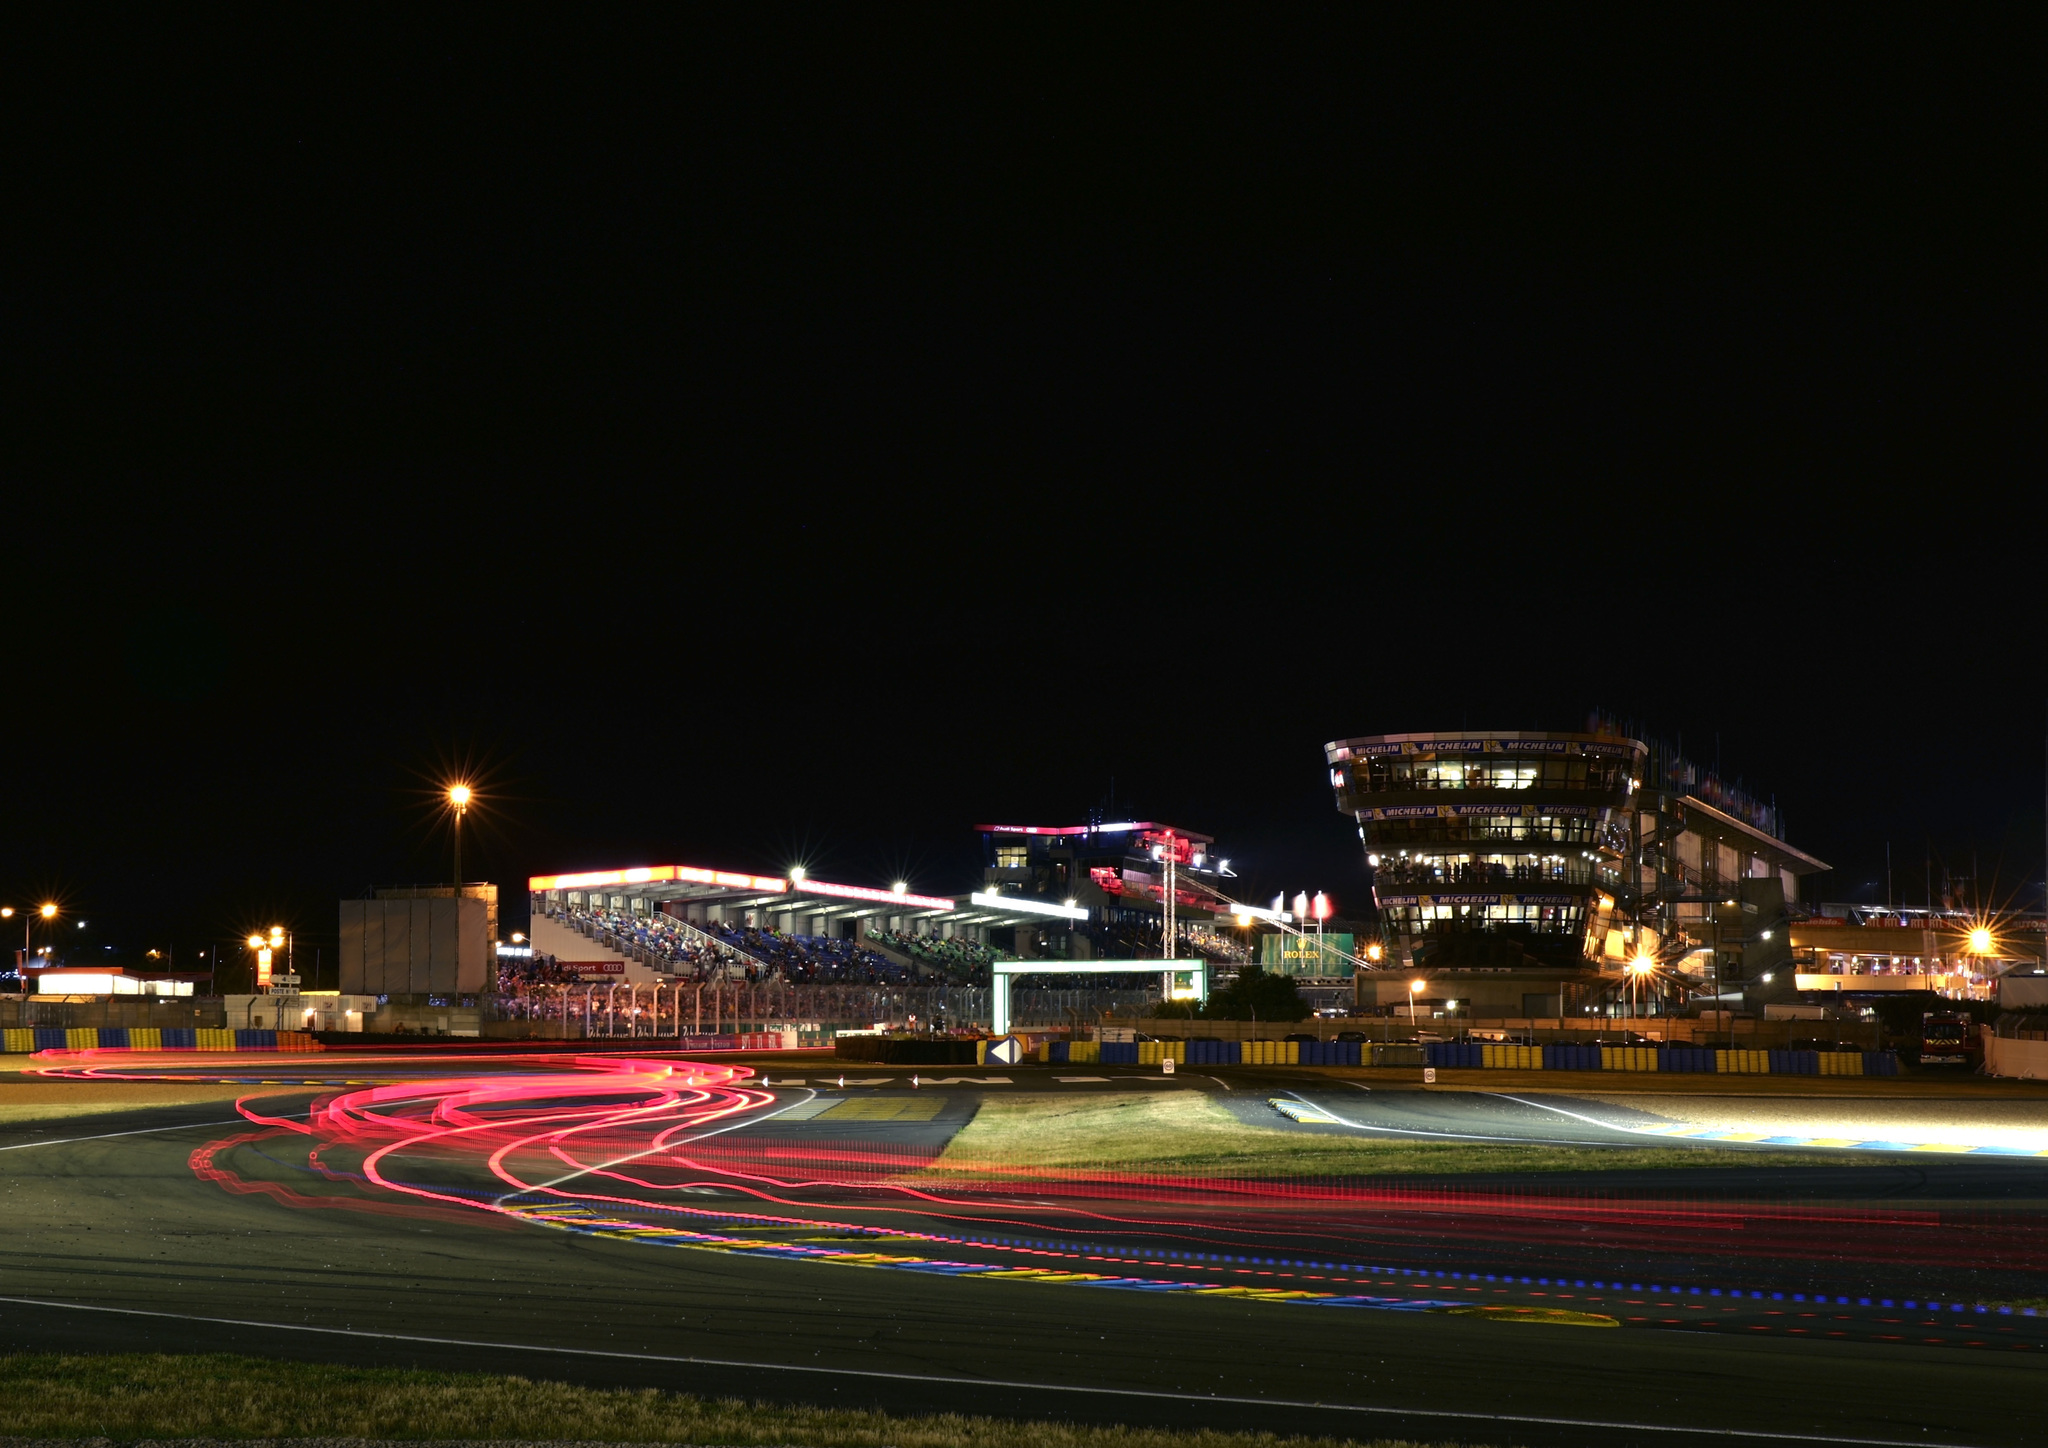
column 20, row 1041
column 1841, row 1063
column 1512, row 1058
column 1270, row 1053
column 1628, row 1058
column 1151, row 1053
column 212, row 1039
column 1084, row 1053
column 1742, row 1063
column 82, row 1038
column 145, row 1038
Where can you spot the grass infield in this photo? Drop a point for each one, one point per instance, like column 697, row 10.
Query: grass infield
column 1173, row 1131
column 155, row 1396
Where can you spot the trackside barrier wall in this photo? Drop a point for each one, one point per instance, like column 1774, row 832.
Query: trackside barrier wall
column 1662, row 1058
column 1331, row 1053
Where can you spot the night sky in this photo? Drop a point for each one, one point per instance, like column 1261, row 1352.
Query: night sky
column 806, row 442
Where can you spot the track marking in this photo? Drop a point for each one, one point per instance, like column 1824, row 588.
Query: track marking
column 139, row 1131
column 1449, row 1135
column 1149, row 1393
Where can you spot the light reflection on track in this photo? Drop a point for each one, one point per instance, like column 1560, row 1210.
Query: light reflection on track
column 627, row 1147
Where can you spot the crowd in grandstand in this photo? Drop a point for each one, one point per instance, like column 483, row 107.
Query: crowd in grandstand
column 960, row 961
column 739, row 951
column 813, row 959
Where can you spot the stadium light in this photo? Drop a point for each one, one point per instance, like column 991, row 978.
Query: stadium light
column 1981, row 942
column 796, row 874
column 458, row 800
column 1374, row 951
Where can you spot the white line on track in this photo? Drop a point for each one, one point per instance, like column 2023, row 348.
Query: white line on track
column 139, row 1131
column 1447, row 1135
column 1155, row 1394
column 1589, row 1120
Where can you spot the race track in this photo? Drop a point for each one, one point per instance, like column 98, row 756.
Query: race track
column 688, row 1229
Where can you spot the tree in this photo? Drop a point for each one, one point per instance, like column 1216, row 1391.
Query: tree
column 1257, row 995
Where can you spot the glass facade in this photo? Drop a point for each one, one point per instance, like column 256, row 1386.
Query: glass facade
column 1513, row 836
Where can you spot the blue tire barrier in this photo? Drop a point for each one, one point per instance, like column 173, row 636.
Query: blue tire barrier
column 1686, row 1058
column 1056, row 1052
column 49, row 1038
column 1119, row 1053
column 180, row 1038
column 1330, row 1053
column 1215, row 1053
column 1880, row 1063
column 113, row 1036
column 255, row 1040
column 1571, row 1058
column 1456, row 1053
column 1795, row 1063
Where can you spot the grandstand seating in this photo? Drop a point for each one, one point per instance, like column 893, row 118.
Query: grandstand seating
column 765, row 954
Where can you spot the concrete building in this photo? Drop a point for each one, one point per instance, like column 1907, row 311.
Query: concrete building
column 1525, row 872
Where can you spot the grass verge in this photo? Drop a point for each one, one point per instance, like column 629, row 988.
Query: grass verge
column 31, row 1099
column 1190, row 1131
column 134, row 1396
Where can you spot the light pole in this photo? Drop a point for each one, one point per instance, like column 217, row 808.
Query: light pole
column 46, row 911
column 1414, row 990
column 458, row 800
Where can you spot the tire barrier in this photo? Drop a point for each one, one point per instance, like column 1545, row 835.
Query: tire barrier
column 1271, row 1053
column 905, row 1050
column 1628, row 1058
column 1469, row 1055
column 1332, row 1053
column 1685, row 1058
column 1074, row 1053
column 24, row 1039
column 1697, row 1059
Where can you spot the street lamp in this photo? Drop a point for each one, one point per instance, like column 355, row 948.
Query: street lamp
column 47, row 911
column 458, row 800
column 1638, row 969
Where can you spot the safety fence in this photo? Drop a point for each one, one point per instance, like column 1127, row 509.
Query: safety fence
column 23, row 1040
column 1693, row 1059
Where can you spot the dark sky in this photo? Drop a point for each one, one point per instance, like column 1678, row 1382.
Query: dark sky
column 808, row 441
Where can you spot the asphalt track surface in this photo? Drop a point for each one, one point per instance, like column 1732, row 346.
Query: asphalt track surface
column 194, row 1228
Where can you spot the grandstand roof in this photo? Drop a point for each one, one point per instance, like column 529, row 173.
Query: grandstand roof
column 1119, row 828
column 744, row 890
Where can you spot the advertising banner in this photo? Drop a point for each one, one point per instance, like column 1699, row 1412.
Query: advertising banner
column 1300, row 955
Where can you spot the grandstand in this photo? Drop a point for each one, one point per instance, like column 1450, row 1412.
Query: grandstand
column 1049, row 893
